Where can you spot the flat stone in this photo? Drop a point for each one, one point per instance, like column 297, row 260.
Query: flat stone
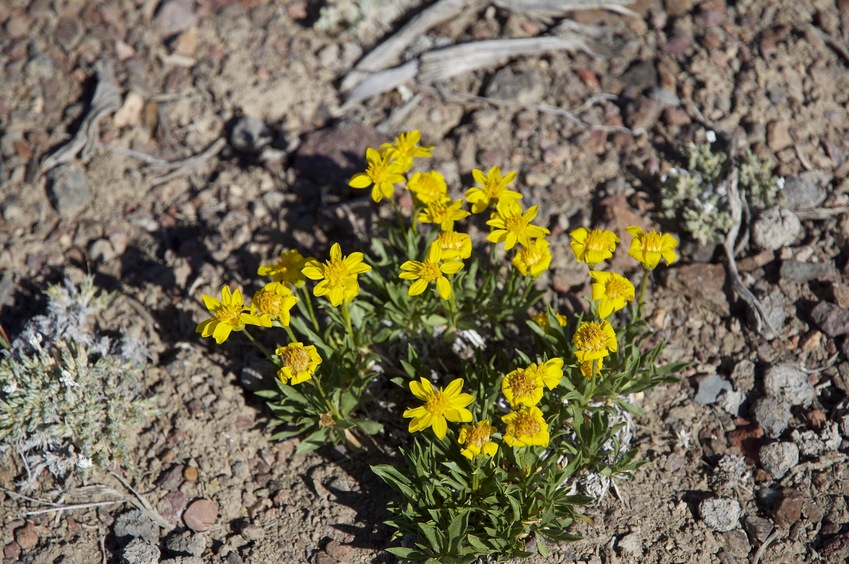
column 172, row 505
column 775, row 228
column 778, row 135
column 758, row 527
column 710, row 387
column 174, row 16
column 789, row 509
column 26, row 536
column 720, row 513
column 806, row 191
column 631, row 544
column 789, row 383
column 773, row 415
column 802, row 272
column 702, row 282
column 252, row 532
column 201, row 515
column 520, row 87
column 68, row 190
column 778, row 458
column 831, row 319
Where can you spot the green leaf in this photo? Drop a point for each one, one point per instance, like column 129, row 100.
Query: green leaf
column 431, row 535
column 367, row 426
column 407, row 553
column 267, row 394
column 541, row 546
column 396, row 480
column 315, row 440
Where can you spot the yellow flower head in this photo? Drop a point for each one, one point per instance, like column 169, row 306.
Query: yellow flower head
column 273, row 301
column 338, row 275
column 511, row 225
column 541, row 319
column 549, row 372
column 533, row 259
column 406, row 148
column 649, row 248
column 454, row 245
column 613, row 291
column 382, row 172
column 443, row 212
column 299, row 363
column 440, row 406
column 430, row 271
column 476, row 439
column 428, row 186
column 522, row 387
column 494, row 189
column 594, row 340
column 593, row 247
column 287, row 268
column 526, row 427
column 228, row 314
column 591, row 368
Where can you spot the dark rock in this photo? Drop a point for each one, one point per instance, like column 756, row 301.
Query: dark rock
column 328, row 155
column 806, row 191
column 835, row 547
column 171, row 479
column 801, row 272
column 758, row 527
column 789, row 384
column 831, row 319
column 135, row 525
column 789, row 509
column 773, row 415
column 172, row 505
column 67, row 188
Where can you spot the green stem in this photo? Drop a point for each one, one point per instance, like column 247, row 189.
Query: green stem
column 292, row 337
column 476, row 474
column 346, row 315
column 262, row 349
column 333, row 410
column 642, row 294
column 308, row 300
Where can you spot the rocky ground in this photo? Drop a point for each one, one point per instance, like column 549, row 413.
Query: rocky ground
column 218, row 136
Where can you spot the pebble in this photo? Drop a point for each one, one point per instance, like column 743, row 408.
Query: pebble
column 802, row 272
column 201, row 515
column 831, row 319
column 175, row 16
column 775, row 228
column 521, row 87
column 171, row 479
column 140, row 552
column 250, row 135
column 12, row 551
column 252, row 532
column 67, row 188
column 135, row 525
column 26, row 536
column 743, row 375
column 101, row 251
column 758, row 527
column 789, row 383
column 789, row 509
column 68, row 33
column 778, row 458
column 720, row 513
column 773, row 415
column 702, row 282
column 806, row 191
column 773, row 306
column 241, row 470
column 778, row 135
column 631, row 544
column 731, row 401
column 710, row 387
column 737, row 544
column 185, row 543
column 172, row 505
column 190, row 474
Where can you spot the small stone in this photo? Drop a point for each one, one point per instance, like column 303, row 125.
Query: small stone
column 68, row 33
column 520, row 87
column 140, row 552
column 773, row 415
column 190, row 474
column 790, row 384
column 172, row 505
column 631, row 544
column 720, row 513
column 241, row 470
column 67, row 188
column 12, row 551
column 835, row 547
column 201, row 515
column 758, row 527
column 101, row 251
column 775, row 228
column 171, row 479
column 802, row 272
column 135, row 525
column 773, row 307
column 250, row 135
column 185, row 543
column 710, row 387
column 789, row 509
column 778, row 136
column 676, row 8
column 806, row 191
column 778, row 458
column 743, row 375
column 130, row 112
column 252, row 532
column 831, row 319
column 26, row 536
column 737, row 544
column 174, row 16
column 731, row 401
column 700, row 282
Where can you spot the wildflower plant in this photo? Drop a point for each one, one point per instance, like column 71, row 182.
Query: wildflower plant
column 508, row 438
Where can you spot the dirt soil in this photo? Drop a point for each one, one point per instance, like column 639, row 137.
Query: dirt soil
column 253, row 87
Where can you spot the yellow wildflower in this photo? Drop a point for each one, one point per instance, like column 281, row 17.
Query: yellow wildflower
column 430, row 271
column 454, row 245
column 338, row 275
column 228, row 314
column 494, row 189
column 534, row 259
column 593, row 247
column 443, row 212
column 526, row 427
column 428, row 186
column 287, row 268
column 591, row 368
column 549, row 372
column 406, row 148
column 440, row 406
column 512, row 225
column 541, row 319
column 382, row 172
column 612, row 290
column 299, row 363
column 273, row 301
column 522, row 387
column 594, row 340
column 476, row 439
column 649, row 248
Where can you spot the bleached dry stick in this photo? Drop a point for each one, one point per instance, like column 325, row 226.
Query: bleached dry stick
column 543, row 9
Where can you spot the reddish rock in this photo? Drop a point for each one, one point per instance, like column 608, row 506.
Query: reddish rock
column 701, row 282
column 201, row 515
column 789, row 509
column 27, row 536
column 12, row 551
column 172, row 505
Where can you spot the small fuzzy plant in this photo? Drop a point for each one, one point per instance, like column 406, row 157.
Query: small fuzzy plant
column 697, row 198
column 69, row 397
column 516, row 415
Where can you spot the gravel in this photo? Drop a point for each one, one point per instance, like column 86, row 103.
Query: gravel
column 778, row 458
column 720, row 513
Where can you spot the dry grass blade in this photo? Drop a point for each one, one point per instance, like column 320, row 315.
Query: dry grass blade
column 106, row 99
column 552, row 9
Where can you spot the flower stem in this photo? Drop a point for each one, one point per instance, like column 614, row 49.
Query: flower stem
column 642, row 294
column 308, row 300
column 261, row 348
column 346, row 315
column 292, row 337
column 327, row 401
